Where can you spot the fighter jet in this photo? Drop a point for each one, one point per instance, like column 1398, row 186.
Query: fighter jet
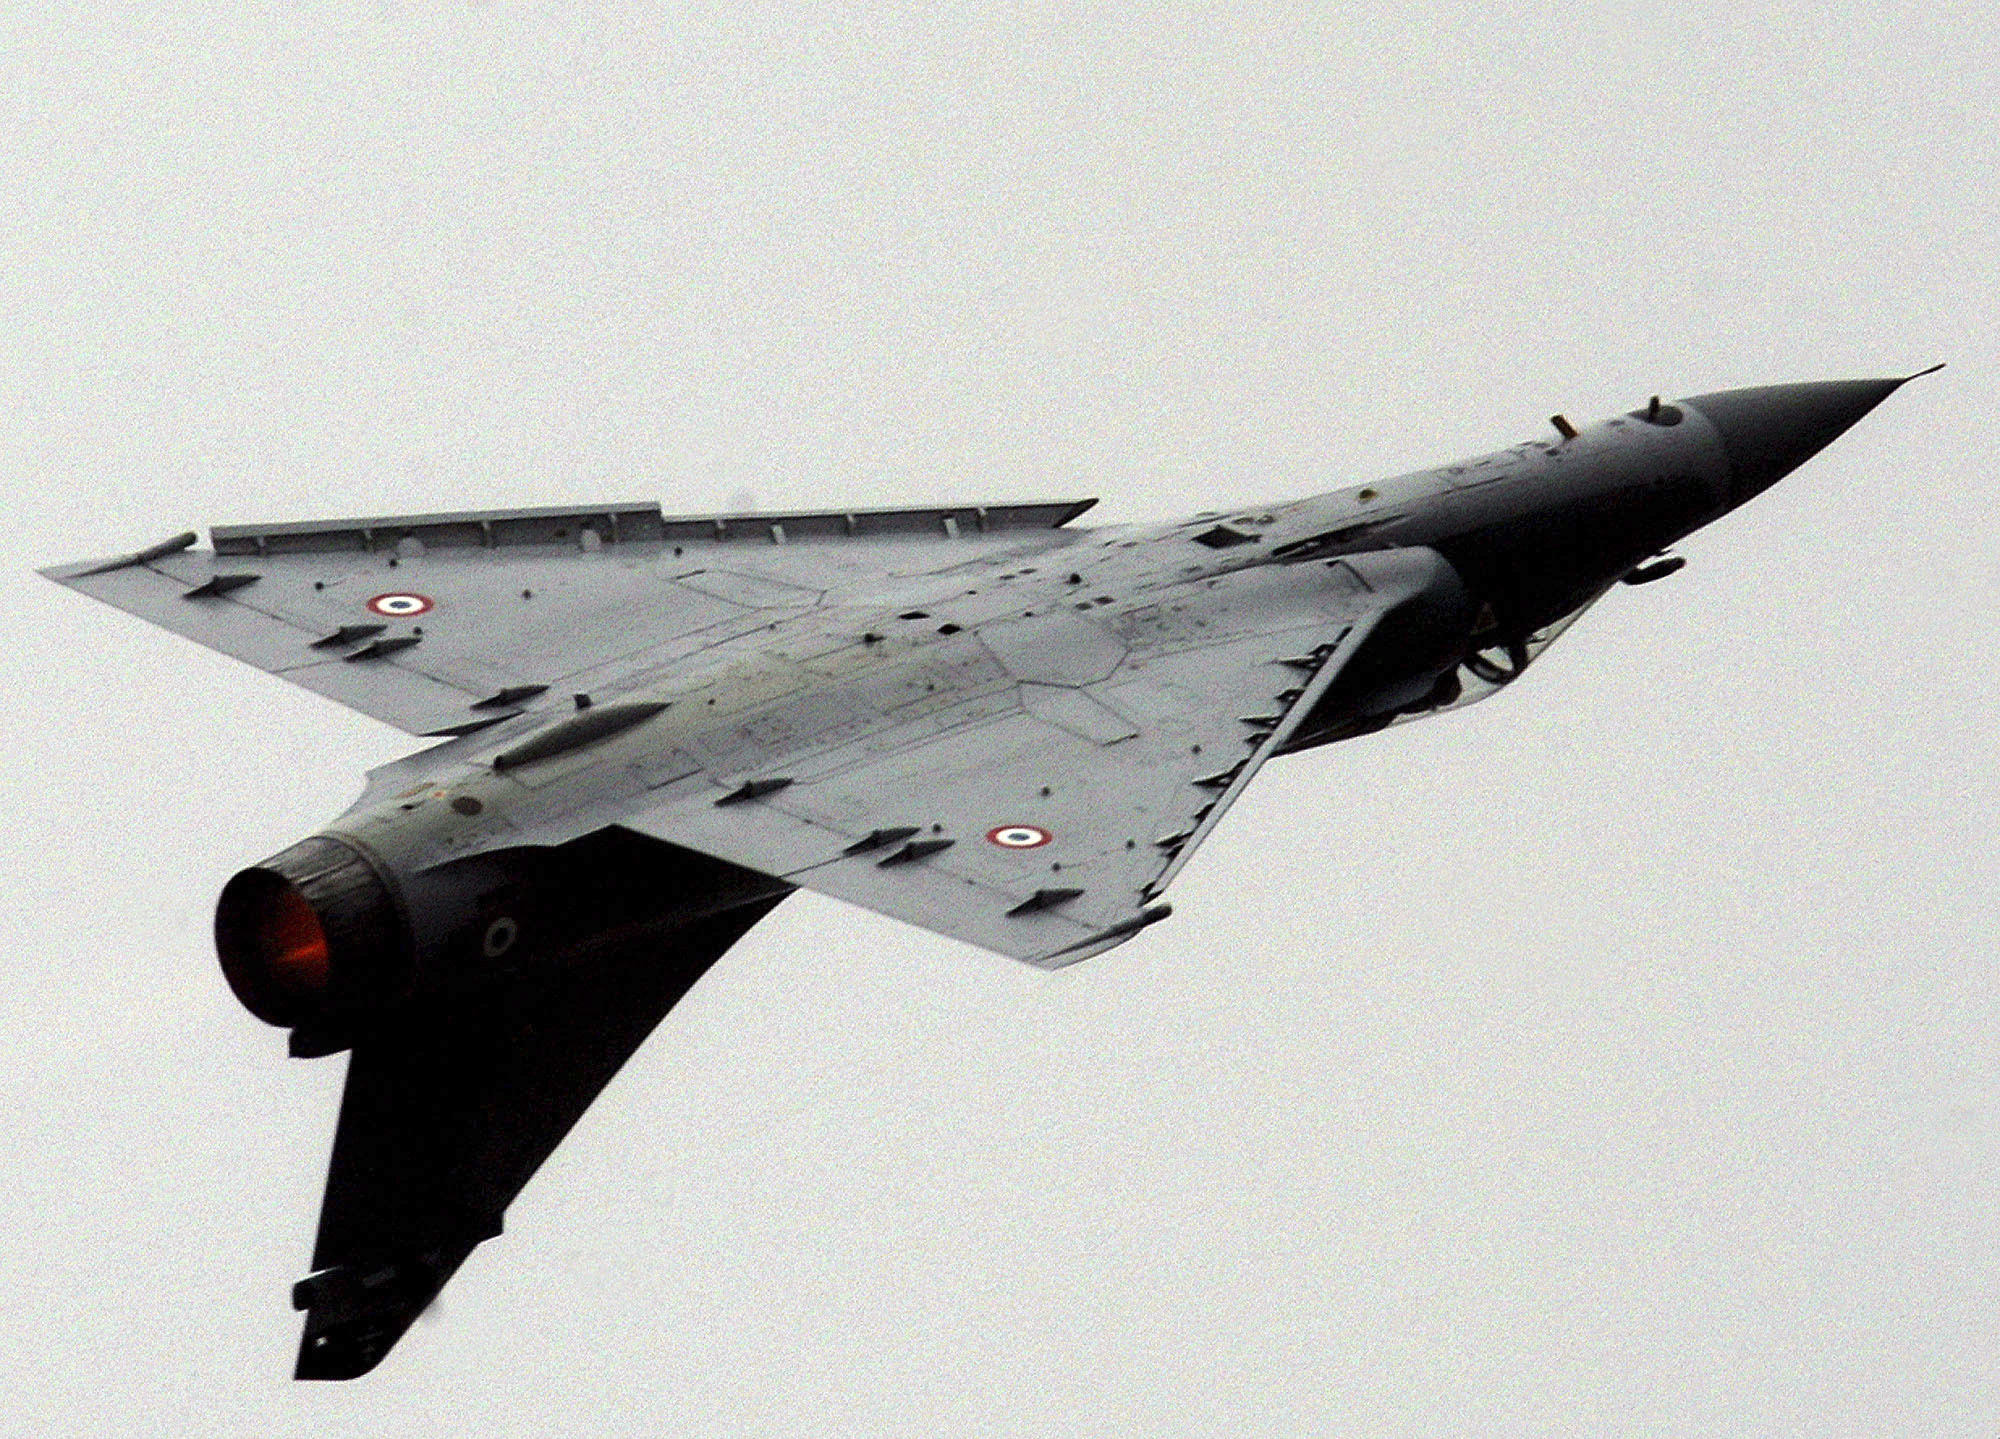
column 982, row 719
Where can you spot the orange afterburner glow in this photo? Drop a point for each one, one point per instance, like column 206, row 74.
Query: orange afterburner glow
column 293, row 944
column 275, row 951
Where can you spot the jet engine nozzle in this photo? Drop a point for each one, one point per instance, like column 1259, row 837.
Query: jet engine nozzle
column 312, row 932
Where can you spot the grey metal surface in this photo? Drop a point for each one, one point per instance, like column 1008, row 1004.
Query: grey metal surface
column 1041, row 711
column 1005, row 732
column 556, row 614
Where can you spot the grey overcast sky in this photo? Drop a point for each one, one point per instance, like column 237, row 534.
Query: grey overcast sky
column 1616, row 1057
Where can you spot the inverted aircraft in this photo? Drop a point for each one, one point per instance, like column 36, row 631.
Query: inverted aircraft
column 984, row 720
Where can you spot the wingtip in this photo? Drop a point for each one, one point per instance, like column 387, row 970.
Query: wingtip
column 84, row 569
column 1104, row 939
column 1921, row 373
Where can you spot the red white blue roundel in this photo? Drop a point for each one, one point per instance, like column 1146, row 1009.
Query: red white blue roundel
column 1019, row 836
column 400, row 606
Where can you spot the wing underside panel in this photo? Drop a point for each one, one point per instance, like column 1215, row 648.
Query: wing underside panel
column 438, row 623
column 1042, row 819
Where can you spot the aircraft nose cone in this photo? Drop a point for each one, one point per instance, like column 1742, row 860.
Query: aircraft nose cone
column 1770, row 431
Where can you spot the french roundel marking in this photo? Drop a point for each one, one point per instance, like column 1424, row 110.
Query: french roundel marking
column 400, row 606
column 1019, row 836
